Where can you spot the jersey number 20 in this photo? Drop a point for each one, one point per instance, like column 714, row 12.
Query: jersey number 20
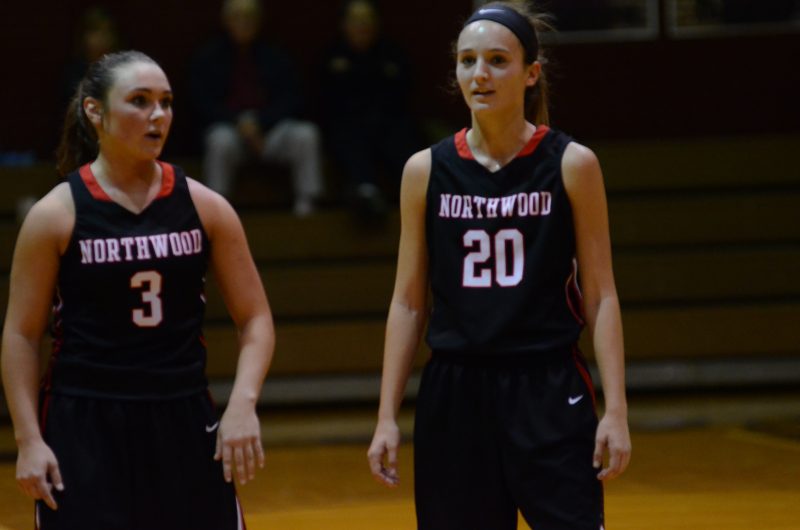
column 150, row 281
column 508, row 248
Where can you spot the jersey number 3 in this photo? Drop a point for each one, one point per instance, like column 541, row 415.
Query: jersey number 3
column 508, row 250
column 152, row 315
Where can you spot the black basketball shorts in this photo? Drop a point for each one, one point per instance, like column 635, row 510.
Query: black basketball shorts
column 494, row 435
column 136, row 465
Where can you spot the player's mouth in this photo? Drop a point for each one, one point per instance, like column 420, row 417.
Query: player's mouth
column 154, row 135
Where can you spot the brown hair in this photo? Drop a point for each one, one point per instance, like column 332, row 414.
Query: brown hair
column 78, row 144
column 537, row 96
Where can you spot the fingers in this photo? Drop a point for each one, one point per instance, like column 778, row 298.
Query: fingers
column 55, row 477
column 618, row 459
column 227, row 470
column 599, row 451
column 260, row 454
column 46, row 491
column 385, row 474
column 38, row 487
column 240, row 457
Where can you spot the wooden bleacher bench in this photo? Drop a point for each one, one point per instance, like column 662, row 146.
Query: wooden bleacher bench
column 706, row 237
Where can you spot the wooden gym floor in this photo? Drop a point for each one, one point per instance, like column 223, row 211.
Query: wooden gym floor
column 699, row 462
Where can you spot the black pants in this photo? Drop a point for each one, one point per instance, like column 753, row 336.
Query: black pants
column 136, row 465
column 497, row 435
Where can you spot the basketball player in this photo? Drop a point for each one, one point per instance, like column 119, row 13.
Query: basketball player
column 506, row 220
column 126, row 435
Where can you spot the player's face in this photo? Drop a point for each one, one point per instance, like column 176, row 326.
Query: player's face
column 137, row 113
column 490, row 68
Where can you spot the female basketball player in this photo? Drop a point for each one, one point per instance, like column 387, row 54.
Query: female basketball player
column 505, row 220
column 126, row 436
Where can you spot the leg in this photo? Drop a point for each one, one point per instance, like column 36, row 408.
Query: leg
column 458, row 483
column 224, row 154
column 548, row 444
column 297, row 143
column 88, row 438
column 181, row 484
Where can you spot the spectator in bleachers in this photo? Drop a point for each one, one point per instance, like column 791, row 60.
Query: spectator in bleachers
column 367, row 122
column 246, row 94
column 97, row 35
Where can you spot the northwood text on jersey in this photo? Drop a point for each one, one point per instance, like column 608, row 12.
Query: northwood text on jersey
column 141, row 248
column 531, row 204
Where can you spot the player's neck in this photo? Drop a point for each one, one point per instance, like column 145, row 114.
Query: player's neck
column 498, row 140
column 131, row 184
column 124, row 173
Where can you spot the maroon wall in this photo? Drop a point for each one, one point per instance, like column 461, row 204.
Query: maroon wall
column 623, row 90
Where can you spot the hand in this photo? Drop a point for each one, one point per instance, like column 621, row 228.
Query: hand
column 612, row 438
column 250, row 131
column 239, row 443
column 38, row 472
column 382, row 453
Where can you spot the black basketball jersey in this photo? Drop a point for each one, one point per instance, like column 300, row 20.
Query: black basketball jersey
column 130, row 299
column 501, row 250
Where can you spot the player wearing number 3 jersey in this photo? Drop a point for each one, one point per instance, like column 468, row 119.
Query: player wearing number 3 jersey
column 122, row 434
column 506, row 222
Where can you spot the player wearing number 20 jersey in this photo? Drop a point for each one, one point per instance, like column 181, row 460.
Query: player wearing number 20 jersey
column 502, row 250
column 130, row 300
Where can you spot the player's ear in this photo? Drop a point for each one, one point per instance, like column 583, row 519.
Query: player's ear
column 534, row 71
column 94, row 111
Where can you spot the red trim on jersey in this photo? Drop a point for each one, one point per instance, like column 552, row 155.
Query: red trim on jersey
column 167, row 179
column 580, row 363
column 533, row 143
column 572, row 293
column 91, row 183
column 461, row 145
column 97, row 192
column 466, row 153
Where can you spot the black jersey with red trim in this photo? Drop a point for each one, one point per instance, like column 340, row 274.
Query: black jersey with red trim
column 501, row 250
column 130, row 300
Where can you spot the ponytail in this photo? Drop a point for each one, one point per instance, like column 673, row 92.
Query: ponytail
column 537, row 98
column 78, row 144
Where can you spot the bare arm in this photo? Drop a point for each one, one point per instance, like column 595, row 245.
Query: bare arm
column 407, row 316
column 239, row 435
column 34, row 272
column 584, row 183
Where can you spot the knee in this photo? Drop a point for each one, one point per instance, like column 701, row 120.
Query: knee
column 305, row 136
column 222, row 138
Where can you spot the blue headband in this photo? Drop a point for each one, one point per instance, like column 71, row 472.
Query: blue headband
column 514, row 21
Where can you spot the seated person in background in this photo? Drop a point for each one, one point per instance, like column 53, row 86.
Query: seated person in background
column 364, row 95
column 246, row 95
column 96, row 36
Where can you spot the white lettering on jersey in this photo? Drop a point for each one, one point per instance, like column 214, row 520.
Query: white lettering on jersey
column 533, row 204
column 141, row 248
column 127, row 242
column 159, row 243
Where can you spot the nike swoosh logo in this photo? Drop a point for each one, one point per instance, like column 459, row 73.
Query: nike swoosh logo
column 212, row 428
column 573, row 400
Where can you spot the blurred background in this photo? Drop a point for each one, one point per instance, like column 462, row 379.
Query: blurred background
column 691, row 105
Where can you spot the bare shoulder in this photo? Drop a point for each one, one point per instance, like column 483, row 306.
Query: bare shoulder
column 52, row 216
column 214, row 210
column 418, row 167
column 580, row 167
column 416, row 175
